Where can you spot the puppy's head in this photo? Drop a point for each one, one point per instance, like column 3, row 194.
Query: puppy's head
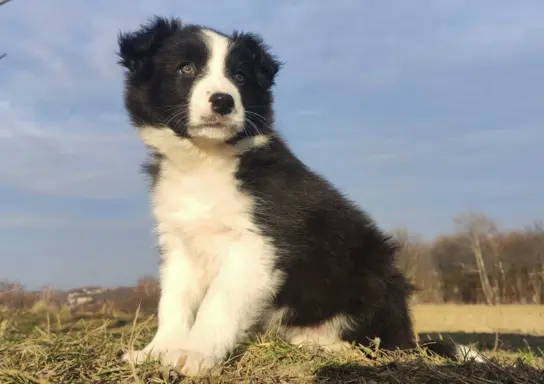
column 197, row 82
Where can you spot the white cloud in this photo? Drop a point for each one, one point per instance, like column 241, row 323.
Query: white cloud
column 67, row 158
column 25, row 220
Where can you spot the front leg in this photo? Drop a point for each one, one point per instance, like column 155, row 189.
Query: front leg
column 233, row 304
column 181, row 292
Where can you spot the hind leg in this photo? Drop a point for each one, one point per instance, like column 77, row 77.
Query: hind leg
column 389, row 320
column 393, row 320
column 396, row 329
column 393, row 329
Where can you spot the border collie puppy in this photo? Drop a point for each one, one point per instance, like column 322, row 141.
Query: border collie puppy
column 250, row 237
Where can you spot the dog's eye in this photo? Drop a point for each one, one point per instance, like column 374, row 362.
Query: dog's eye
column 239, row 77
column 187, row 69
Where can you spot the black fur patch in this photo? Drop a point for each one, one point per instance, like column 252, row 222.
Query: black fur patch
column 336, row 261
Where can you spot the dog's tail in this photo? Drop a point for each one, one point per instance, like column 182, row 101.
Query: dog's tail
column 453, row 351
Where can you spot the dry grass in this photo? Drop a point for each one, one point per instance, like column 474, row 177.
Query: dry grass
column 45, row 347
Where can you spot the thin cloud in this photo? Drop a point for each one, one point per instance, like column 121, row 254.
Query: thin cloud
column 25, row 220
column 67, row 158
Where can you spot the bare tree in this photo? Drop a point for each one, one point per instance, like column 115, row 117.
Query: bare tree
column 2, row 2
column 148, row 285
column 478, row 227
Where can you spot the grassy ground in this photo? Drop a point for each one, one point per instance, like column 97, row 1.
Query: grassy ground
column 56, row 347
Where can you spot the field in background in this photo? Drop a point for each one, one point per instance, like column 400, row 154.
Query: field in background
column 506, row 331
column 480, row 318
column 55, row 346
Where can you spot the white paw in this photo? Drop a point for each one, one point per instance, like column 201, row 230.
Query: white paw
column 137, row 357
column 190, row 363
column 465, row 354
column 152, row 352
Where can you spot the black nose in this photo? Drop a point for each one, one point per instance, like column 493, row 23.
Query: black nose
column 222, row 103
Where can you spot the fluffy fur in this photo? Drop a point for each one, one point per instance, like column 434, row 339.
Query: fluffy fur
column 250, row 237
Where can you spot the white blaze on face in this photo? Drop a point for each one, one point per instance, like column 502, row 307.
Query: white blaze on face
column 214, row 80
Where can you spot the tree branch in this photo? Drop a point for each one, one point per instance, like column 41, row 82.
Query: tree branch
column 2, row 2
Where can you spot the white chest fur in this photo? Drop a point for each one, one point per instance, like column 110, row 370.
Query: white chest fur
column 198, row 206
column 201, row 205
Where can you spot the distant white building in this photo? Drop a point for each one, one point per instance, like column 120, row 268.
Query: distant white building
column 83, row 295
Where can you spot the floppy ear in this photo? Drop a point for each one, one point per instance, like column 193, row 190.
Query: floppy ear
column 267, row 66
column 137, row 48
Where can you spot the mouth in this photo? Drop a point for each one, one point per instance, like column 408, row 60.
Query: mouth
column 214, row 122
column 214, row 128
column 211, row 125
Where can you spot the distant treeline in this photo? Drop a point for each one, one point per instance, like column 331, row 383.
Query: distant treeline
column 479, row 263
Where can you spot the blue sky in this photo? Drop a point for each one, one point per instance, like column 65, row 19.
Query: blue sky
column 419, row 111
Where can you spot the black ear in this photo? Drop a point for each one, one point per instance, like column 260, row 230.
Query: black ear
column 136, row 48
column 267, row 66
